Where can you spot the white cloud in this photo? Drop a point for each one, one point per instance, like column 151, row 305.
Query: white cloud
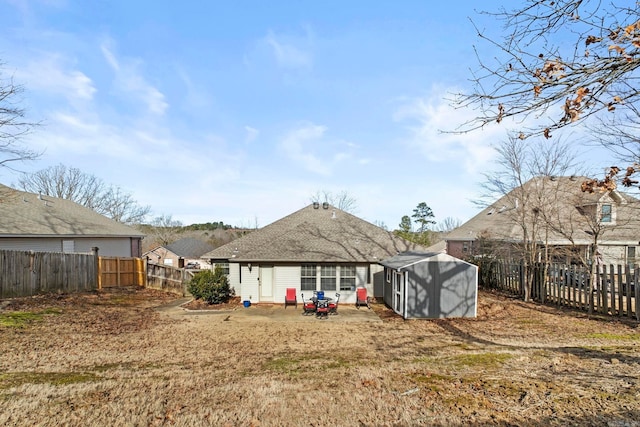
column 252, row 134
column 296, row 142
column 430, row 122
column 129, row 81
column 52, row 73
column 287, row 54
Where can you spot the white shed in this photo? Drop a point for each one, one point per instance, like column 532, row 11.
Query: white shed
column 430, row 285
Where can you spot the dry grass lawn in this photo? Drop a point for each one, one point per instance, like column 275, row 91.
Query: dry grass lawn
column 111, row 359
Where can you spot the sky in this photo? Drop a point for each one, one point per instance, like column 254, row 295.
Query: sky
column 242, row 111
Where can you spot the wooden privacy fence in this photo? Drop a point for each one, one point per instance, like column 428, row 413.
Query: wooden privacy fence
column 118, row 271
column 26, row 273
column 614, row 291
column 167, row 278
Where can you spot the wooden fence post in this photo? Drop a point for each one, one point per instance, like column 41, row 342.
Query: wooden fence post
column 96, row 258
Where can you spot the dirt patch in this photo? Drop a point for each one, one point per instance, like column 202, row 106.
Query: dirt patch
column 90, row 359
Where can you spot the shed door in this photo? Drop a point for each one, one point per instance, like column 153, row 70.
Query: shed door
column 398, row 293
column 266, row 283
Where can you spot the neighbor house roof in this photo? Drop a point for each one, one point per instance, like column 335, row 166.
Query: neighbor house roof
column 566, row 209
column 189, row 247
column 25, row 214
column 315, row 234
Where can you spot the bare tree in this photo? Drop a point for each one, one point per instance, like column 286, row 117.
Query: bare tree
column 88, row 190
column 448, row 224
column 163, row 229
column 342, row 200
column 520, row 162
column 560, row 63
column 13, row 125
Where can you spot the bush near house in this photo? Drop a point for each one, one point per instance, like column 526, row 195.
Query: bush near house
column 211, row 286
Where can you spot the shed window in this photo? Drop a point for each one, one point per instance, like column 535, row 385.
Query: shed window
column 308, row 273
column 328, row 278
column 606, row 213
column 348, row 278
column 631, row 255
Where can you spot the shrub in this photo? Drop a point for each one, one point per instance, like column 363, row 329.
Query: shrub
column 211, row 286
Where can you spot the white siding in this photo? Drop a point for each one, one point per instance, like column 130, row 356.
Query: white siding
column 286, row 277
column 234, row 277
column 107, row 246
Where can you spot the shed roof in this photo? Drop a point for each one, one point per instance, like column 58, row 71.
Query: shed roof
column 409, row 258
column 315, row 234
column 26, row 214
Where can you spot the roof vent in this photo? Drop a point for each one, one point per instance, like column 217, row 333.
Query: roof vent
column 325, row 205
column 552, row 177
column 316, row 205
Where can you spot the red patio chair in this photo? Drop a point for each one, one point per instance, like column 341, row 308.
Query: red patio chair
column 290, row 298
column 308, row 307
column 361, row 298
column 333, row 305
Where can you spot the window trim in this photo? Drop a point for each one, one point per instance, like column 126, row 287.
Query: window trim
column 308, row 268
column 606, row 217
column 332, row 279
column 354, row 277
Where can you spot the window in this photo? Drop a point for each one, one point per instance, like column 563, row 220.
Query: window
column 606, row 213
column 328, row 278
column 224, row 266
column 308, row 274
column 465, row 247
column 348, row 278
column 388, row 275
column 631, row 255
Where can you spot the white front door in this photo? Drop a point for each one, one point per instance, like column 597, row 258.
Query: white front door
column 266, row 283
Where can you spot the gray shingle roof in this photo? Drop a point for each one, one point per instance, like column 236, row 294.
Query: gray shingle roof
column 407, row 259
column 25, row 214
column 563, row 203
column 189, row 247
column 315, row 235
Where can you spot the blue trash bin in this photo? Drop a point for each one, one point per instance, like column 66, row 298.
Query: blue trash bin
column 320, row 294
column 246, row 303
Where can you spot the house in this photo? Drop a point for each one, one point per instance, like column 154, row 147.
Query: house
column 47, row 224
column 318, row 247
column 564, row 222
column 181, row 253
column 430, row 285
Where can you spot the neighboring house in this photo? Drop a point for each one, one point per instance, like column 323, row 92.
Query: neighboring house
column 430, row 285
column 565, row 223
column 440, row 247
column 47, row 224
column 318, row 247
column 181, row 253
